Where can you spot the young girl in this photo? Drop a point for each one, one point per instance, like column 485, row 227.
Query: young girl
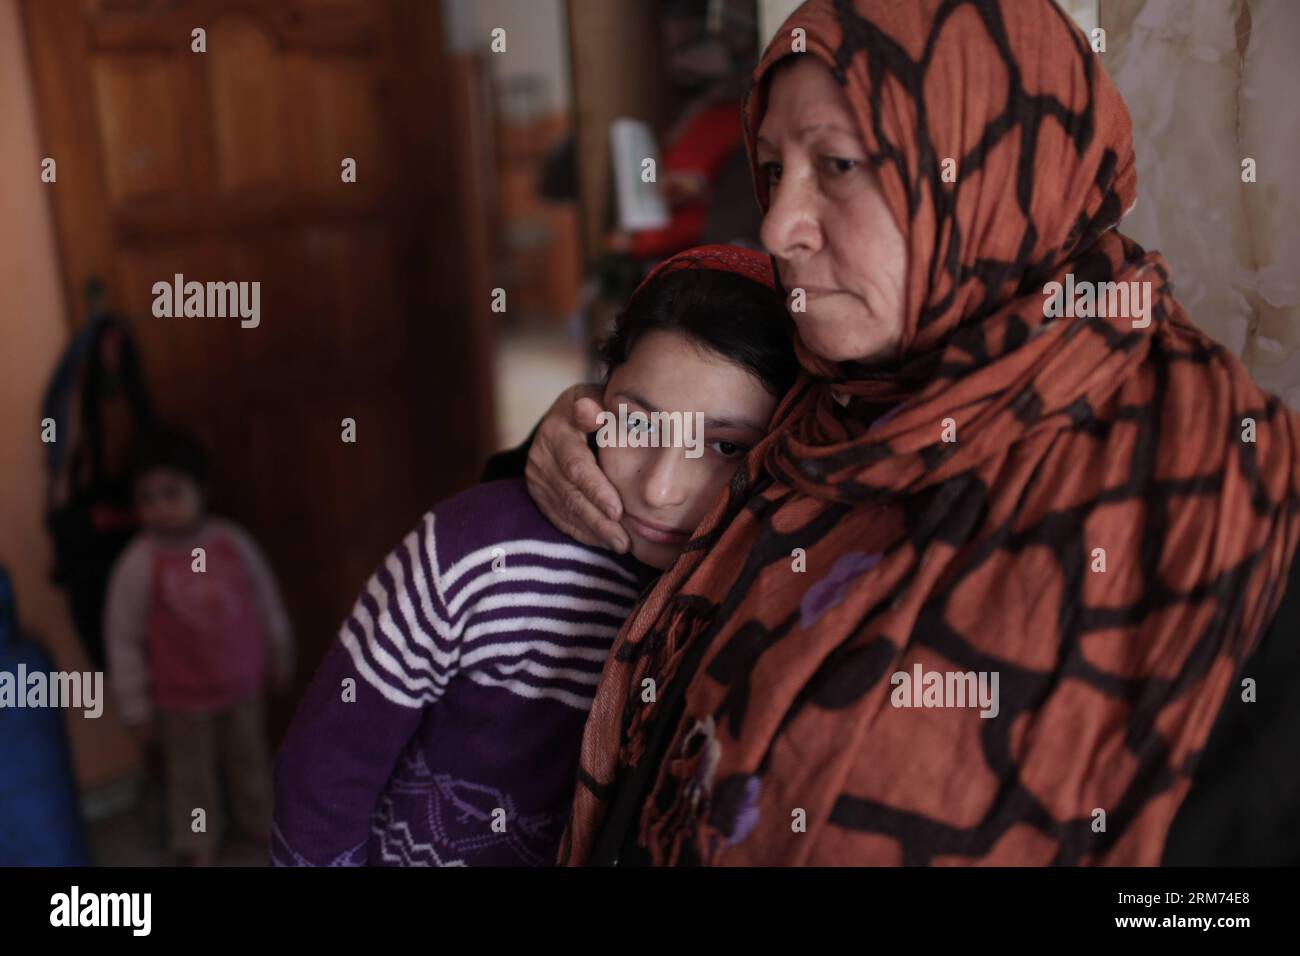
column 443, row 726
column 196, row 631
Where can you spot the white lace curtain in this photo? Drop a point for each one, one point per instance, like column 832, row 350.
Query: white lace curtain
column 1210, row 84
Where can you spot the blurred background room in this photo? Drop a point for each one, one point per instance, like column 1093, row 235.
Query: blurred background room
column 442, row 295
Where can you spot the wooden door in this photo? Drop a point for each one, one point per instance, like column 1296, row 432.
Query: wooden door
column 227, row 166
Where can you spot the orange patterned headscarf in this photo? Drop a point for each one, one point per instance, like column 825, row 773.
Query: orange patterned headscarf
column 1100, row 513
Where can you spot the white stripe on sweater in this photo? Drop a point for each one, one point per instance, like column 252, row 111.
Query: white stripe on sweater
column 430, row 546
column 581, row 702
column 568, row 602
column 389, row 692
column 546, row 549
column 387, row 663
column 549, row 625
column 443, row 660
column 536, row 573
column 547, row 673
column 428, row 688
column 409, row 679
column 387, row 624
column 519, row 648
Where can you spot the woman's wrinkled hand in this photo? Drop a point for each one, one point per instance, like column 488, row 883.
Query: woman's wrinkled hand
column 564, row 479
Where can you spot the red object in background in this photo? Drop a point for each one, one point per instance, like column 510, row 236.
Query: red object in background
column 701, row 150
column 207, row 641
column 107, row 518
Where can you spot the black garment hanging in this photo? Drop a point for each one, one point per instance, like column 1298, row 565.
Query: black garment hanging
column 88, row 511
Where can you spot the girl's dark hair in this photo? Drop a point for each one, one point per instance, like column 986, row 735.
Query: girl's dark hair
column 739, row 319
column 172, row 449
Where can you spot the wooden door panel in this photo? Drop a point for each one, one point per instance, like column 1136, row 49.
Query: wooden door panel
column 293, row 451
column 363, row 266
column 342, row 104
column 283, row 351
column 177, row 351
column 323, row 26
column 224, row 166
column 252, row 116
column 142, row 114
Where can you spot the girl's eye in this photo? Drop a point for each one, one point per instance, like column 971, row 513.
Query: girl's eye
column 639, row 422
column 728, row 449
column 838, row 166
column 771, row 171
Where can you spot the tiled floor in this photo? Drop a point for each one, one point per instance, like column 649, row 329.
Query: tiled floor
column 135, row 836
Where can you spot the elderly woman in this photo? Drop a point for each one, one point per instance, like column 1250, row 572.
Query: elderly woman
column 1093, row 513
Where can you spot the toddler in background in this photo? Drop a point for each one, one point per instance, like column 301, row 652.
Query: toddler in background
column 192, row 638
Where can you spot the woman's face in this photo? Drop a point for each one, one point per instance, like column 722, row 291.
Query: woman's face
column 665, row 492
column 827, row 223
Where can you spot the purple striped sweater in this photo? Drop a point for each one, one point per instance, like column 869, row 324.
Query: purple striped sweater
column 443, row 726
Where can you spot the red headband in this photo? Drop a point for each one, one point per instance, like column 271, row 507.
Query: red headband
column 736, row 259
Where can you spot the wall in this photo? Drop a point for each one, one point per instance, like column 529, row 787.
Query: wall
column 536, row 44
column 771, row 14
column 33, row 331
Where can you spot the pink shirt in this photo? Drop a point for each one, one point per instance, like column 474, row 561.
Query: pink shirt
column 182, row 640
